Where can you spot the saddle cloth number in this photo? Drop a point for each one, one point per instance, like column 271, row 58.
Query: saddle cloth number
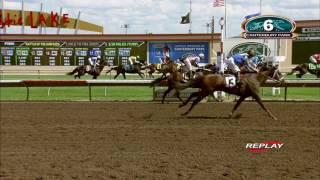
column 230, row 81
column 314, row 66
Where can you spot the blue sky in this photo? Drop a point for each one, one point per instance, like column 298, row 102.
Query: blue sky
column 163, row 16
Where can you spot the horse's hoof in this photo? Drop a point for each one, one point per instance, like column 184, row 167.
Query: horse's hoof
column 274, row 118
column 184, row 114
column 237, row 116
column 230, row 116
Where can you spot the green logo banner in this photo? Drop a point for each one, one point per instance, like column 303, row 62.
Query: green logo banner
column 272, row 27
column 260, row 48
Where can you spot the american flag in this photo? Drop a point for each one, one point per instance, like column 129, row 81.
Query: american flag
column 218, row 3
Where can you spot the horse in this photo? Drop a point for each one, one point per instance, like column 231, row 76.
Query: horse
column 134, row 69
column 248, row 86
column 176, row 78
column 173, row 80
column 168, row 67
column 189, row 74
column 312, row 68
column 88, row 69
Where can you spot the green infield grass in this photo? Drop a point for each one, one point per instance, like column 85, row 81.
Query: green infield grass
column 120, row 93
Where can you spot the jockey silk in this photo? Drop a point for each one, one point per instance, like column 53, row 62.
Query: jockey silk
column 239, row 58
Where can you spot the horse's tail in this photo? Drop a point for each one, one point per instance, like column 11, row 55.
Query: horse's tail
column 158, row 81
column 73, row 72
column 193, row 83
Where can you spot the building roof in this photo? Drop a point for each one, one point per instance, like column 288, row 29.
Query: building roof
column 110, row 37
column 308, row 23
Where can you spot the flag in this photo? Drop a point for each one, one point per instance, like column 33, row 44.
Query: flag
column 185, row 19
column 218, row 3
column 252, row 15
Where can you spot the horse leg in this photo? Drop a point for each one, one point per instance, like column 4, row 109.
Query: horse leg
column 124, row 75
column 194, row 94
column 201, row 96
column 178, row 95
column 151, row 75
column 165, row 94
column 258, row 99
column 242, row 98
column 115, row 77
column 141, row 75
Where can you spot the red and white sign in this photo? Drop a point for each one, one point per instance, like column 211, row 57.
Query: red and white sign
column 264, row 146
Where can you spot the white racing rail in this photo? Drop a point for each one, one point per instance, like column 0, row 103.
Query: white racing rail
column 89, row 83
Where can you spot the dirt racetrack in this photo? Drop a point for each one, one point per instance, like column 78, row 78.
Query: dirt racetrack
column 83, row 140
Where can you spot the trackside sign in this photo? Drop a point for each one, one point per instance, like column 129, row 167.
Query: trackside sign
column 264, row 146
column 268, row 27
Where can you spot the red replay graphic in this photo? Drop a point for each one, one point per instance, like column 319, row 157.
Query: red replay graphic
column 264, row 146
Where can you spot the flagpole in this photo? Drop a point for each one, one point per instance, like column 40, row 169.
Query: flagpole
column 225, row 19
column 4, row 30
column 190, row 18
column 260, row 7
column 22, row 16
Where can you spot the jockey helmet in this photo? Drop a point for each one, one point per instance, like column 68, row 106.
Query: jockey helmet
column 251, row 53
column 201, row 55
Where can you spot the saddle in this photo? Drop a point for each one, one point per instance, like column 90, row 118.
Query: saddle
column 128, row 67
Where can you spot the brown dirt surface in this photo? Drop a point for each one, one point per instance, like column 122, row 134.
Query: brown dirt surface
column 82, row 140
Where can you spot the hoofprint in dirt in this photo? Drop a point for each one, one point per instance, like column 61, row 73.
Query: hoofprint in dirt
column 152, row 141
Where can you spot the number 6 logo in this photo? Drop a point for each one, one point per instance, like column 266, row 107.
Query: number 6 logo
column 267, row 25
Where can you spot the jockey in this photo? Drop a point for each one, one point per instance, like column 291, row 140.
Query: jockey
column 133, row 60
column 166, row 54
column 315, row 59
column 94, row 61
column 254, row 61
column 192, row 59
column 238, row 60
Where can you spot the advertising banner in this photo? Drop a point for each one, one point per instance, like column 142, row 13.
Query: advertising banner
column 176, row 50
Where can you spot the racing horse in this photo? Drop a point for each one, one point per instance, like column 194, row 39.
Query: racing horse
column 131, row 69
column 173, row 81
column 249, row 86
column 168, row 67
column 88, row 69
column 176, row 78
column 302, row 69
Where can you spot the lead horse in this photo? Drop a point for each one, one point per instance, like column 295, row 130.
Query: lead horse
column 248, row 86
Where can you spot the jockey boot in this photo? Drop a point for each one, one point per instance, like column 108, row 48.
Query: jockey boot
column 238, row 77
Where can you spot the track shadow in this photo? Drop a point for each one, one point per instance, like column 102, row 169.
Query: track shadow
column 210, row 117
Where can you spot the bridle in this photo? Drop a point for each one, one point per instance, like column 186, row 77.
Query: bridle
column 273, row 76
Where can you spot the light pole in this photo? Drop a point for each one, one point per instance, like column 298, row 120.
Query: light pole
column 126, row 27
column 221, row 22
column 208, row 27
column 220, row 94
